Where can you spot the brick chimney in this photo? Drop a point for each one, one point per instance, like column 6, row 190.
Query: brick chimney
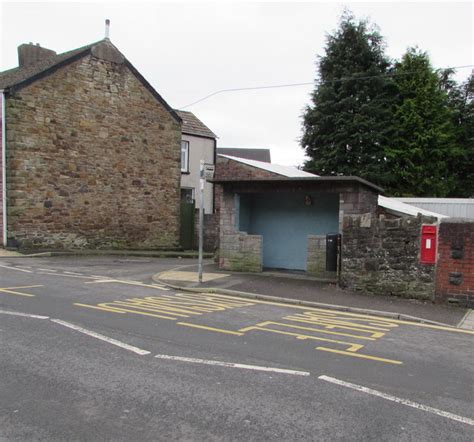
column 30, row 54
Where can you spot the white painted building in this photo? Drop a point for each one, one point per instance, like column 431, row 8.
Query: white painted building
column 197, row 142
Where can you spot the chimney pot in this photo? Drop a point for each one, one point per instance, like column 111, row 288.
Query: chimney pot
column 107, row 28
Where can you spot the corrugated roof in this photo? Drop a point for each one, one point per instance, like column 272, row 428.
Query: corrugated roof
column 192, row 125
column 287, row 171
column 453, row 207
column 394, row 205
column 250, row 154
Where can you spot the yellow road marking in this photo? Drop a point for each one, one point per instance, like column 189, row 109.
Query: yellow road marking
column 356, row 315
column 263, row 324
column 179, row 305
column 14, row 292
column 157, row 309
column 220, row 330
column 358, row 355
column 119, row 281
column 191, row 276
column 334, row 321
column 351, row 345
column 374, row 334
column 105, row 307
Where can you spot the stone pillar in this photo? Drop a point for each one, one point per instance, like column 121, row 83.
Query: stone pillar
column 238, row 251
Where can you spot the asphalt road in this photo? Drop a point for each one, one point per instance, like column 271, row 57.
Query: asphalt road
column 97, row 351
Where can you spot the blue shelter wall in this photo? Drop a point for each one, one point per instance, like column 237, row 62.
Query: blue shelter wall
column 285, row 222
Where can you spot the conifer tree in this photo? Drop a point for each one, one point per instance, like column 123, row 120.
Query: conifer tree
column 461, row 101
column 425, row 150
column 348, row 126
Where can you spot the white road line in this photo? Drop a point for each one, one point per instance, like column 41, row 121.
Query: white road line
column 48, row 270
column 233, row 365
column 455, row 417
column 16, row 268
column 73, row 273
column 112, row 341
column 27, row 315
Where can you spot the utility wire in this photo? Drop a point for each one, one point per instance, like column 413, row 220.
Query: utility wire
column 342, row 79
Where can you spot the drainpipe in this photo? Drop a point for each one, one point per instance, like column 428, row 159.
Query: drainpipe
column 4, row 170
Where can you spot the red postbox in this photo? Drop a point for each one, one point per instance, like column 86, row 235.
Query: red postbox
column 428, row 244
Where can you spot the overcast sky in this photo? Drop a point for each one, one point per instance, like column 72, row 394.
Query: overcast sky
column 190, row 50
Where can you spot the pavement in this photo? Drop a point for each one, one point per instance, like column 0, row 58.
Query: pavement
column 300, row 289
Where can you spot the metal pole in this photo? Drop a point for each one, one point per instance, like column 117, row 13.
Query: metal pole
column 201, row 217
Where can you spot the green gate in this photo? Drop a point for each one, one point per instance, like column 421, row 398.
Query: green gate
column 187, row 225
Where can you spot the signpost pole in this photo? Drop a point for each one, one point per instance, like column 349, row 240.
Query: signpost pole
column 201, row 217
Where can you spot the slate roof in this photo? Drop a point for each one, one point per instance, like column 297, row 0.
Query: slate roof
column 286, row 171
column 250, row 154
column 15, row 76
column 192, row 125
column 21, row 76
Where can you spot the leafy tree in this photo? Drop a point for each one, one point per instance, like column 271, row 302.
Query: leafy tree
column 425, row 148
column 349, row 124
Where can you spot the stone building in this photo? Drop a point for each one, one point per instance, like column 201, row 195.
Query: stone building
column 90, row 153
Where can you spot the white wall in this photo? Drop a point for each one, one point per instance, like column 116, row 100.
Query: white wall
column 199, row 148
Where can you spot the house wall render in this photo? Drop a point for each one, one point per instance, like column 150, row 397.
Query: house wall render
column 93, row 161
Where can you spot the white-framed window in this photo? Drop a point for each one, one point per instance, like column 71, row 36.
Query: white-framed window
column 184, row 156
column 187, row 194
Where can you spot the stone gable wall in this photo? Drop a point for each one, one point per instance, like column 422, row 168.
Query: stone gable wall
column 455, row 267
column 382, row 256
column 93, row 161
column 227, row 168
column 231, row 169
column 1, row 177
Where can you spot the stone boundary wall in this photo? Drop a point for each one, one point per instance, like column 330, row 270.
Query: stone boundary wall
column 381, row 256
column 238, row 251
column 455, row 268
column 211, row 229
